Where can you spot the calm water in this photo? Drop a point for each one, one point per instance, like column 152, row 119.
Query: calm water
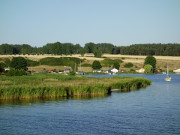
column 153, row 110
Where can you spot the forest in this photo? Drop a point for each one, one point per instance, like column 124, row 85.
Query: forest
column 57, row 48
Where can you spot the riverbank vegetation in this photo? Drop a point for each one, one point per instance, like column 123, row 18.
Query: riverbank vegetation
column 52, row 85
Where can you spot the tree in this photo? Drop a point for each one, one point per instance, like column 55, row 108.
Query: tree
column 97, row 52
column 148, row 69
column 96, row 65
column 89, row 47
column 82, row 52
column 19, row 63
column 74, row 66
column 69, row 48
column 151, row 61
column 1, row 67
column 7, row 62
column 116, row 65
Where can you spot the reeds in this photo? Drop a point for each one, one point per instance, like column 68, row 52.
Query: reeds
column 48, row 85
column 132, row 84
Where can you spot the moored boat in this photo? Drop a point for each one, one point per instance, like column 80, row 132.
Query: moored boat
column 168, row 78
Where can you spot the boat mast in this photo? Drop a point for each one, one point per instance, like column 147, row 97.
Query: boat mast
column 167, row 70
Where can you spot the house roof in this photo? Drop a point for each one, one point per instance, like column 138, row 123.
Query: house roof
column 114, row 70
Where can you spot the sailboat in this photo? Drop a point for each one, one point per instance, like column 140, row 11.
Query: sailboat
column 168, row 78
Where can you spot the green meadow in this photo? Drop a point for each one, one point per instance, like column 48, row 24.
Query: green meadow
column 42, row 85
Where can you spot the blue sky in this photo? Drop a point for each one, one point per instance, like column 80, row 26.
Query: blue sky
column 120, row 22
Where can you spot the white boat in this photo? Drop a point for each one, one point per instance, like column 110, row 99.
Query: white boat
column 168, row 78
column 163, row 72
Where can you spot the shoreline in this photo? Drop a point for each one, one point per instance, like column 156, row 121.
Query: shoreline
column 54, row 86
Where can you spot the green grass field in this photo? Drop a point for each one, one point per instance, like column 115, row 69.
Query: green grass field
column 55, row 85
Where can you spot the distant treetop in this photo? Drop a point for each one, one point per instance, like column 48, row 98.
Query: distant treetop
column 98, row 49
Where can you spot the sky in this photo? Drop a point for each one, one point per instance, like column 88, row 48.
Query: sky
column 120, row 22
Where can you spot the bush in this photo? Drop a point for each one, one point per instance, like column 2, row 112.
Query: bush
column 96, row 65
column 107, row 62
column 86, row 65
column 2, row 65
column 19, row 63
column 54, row 70
column 128, row 65
column 151, row 61
column 116, row 65
column 148, row 69
column 72, row 73
column 17, row 72
column 63, row 61
column 32, row 63
column 7, row 62
column 110, row 62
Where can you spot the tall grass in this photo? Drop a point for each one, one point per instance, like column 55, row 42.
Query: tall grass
column 133, row 84
column 51, row 85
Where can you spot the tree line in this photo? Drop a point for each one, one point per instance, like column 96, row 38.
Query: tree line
column 98, row 49
column 152, row 49
column 50, row 48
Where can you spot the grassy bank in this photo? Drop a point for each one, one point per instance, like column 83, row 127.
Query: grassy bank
column 52, row 85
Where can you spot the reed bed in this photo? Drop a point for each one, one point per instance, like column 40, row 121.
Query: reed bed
column 52, row 85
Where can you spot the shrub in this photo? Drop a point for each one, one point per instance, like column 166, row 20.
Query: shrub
column 128, row 65
column 72, row 73
column 151, row 61
column 86, row 65
column 19, row 63
column 96, row 65
column 148, row 69
column 63, row 61
column 116, row 65
column 54, row 70
column 32, row 63
column 107, row 62
column 2, row 67
column 17, row 72
column 7, row 62
column 110, row 62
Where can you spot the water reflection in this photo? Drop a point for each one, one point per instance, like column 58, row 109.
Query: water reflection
column 29, row 102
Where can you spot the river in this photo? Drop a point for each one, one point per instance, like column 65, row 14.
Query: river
column 152, row 110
